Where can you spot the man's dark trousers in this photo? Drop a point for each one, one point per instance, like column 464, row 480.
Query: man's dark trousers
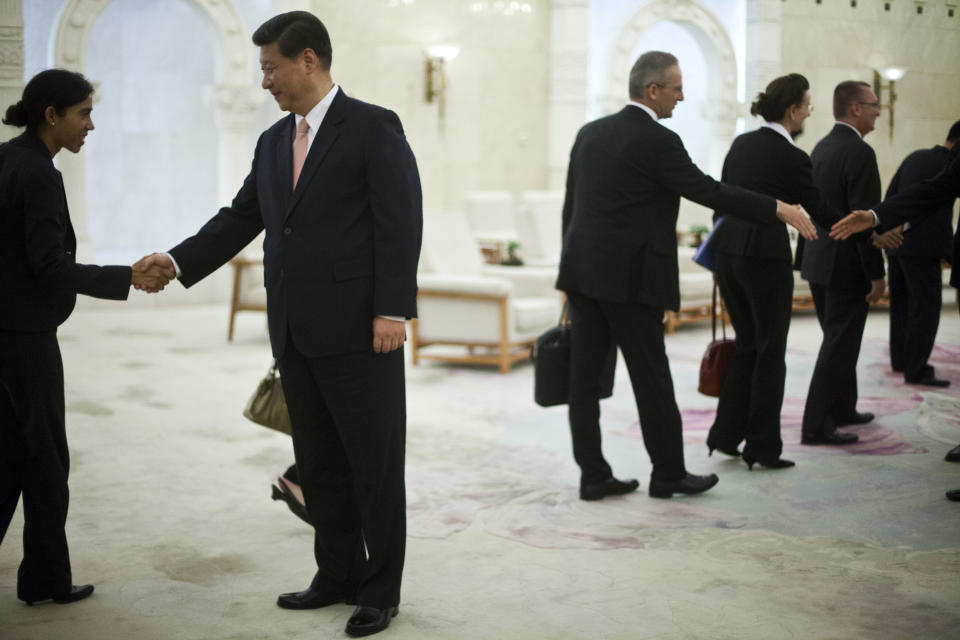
column 915, row 301
column 348, row 417
column 638, row 330
column 842, row 314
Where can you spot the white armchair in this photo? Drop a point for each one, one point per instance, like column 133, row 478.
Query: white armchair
column 491, row 215
column 495, row 312
column 696, row 292
column 539, row 227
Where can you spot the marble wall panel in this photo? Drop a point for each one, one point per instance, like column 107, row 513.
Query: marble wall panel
column 833, row 41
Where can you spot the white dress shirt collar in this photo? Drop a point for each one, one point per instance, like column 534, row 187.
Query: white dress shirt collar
column 653, row 114
column 847, row 124
column 316, row 115
column 779, row 128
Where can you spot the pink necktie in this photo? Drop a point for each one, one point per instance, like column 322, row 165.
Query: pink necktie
column 299, row 150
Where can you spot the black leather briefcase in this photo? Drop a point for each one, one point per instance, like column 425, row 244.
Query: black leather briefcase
column 551, row 366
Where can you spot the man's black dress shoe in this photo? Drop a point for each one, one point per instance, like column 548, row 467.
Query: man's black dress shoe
column 769, row 463
column 928, row 381
column 836, row 437
column 313, row 598
column 689, row 484
column 609, row 487
column 856, row 418
column 366, row 621
column 954, row 495
column 953, row 455
column 76, row 593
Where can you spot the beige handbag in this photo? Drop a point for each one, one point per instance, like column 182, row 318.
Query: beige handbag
column 267, row 406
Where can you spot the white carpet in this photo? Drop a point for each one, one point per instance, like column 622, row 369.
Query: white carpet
column 171, row 518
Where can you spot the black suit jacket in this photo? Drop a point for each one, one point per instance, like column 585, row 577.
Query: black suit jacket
column 39, row 275
column 626, row 175
column 342, row 247
column 929, row 236
column 921, row 199
column 766, row 162
column 845, row 171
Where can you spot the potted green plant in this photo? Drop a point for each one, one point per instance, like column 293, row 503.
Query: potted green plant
column 698, row 231
column 512, row 259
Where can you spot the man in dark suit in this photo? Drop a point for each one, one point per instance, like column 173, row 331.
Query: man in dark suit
column 844, row 277
column 914, row 204
column 915, row 273
column 340, row 259
column 619, row 269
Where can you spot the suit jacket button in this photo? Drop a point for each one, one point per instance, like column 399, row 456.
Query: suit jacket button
column 287, row 231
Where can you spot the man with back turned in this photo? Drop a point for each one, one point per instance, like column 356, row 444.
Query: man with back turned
column 619, row 269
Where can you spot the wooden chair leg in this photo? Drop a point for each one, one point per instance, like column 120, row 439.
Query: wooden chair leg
column 414, row 347
column 504, row 338
column 235, row 299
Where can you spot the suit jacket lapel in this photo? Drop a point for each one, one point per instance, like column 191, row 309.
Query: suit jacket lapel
column 284, row 164
column 328, row 132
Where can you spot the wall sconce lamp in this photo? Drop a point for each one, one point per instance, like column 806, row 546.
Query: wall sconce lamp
column 891, row 75
column 435, row 79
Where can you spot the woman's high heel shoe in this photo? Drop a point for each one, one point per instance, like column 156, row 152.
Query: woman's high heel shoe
column 730, row 452
column 778, row 463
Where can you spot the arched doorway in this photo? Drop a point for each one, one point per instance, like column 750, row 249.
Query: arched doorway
column 230, row 86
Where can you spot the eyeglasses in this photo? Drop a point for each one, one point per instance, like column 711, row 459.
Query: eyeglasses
column 875, row 105
column 663, row 86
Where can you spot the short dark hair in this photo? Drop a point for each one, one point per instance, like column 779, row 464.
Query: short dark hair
column 847, row 93
column 295, row 31
column 57, row 88
column 650, row 68
column 954, row 134
column 781, row 94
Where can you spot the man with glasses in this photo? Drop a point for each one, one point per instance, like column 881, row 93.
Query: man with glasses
column 619, row 269
column 845, row 277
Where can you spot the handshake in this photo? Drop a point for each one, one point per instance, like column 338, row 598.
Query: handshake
column 153, row 272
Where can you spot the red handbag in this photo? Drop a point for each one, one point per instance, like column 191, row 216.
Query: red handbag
column 719, row 353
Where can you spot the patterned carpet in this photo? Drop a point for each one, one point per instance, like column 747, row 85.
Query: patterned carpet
column 171, row 517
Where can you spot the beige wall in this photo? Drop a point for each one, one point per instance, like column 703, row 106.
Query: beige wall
column 833, row 41
column 496, row 111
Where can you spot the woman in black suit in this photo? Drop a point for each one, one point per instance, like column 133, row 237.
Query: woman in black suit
column 39, row 283
column 755, row 274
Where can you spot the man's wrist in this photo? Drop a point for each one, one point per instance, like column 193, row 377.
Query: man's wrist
column 176, row 267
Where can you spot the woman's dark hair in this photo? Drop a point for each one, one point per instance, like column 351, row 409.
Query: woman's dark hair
column 295, row 31
column 57, row 88
column 780, row 95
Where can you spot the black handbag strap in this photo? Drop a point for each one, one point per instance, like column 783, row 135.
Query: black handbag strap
column 713, row 315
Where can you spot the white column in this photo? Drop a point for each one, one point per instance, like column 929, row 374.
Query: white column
column 11, row 60
column 235, row 107
column 763, row 59
column 74, row 170
column 568, row 82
